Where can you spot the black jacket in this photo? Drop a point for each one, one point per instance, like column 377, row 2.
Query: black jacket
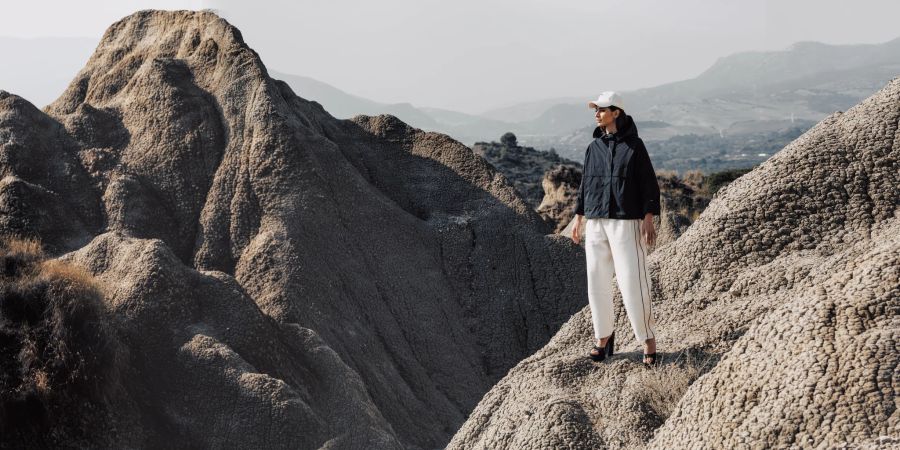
column 618, row 181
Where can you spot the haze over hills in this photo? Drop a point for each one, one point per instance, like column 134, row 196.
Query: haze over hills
column 463, row 127
column 748, row 92
column 845, row 69
column 741, row 93
column 735, row 114
column 745, row 92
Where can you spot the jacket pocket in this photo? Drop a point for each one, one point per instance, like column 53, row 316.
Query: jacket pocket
column 621, row 170
column 596, row 200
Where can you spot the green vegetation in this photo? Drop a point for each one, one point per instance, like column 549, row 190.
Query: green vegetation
column 715, row 181
column 509, row 140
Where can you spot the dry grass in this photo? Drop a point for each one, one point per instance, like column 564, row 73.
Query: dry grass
column 667, row 173
column 694, row 178
column 56, row 349
column 662, row 387
column 31, row 247
column 78, row 280
column 19, row 257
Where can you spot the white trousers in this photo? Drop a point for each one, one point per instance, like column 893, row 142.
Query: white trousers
column 614, row 247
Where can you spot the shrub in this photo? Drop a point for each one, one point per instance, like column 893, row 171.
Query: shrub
column 715, row 181
column 508, row 139
column 662, row 387
column 694, row 178
column 56, row 350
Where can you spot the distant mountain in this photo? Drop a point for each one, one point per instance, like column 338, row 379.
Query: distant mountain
column 464, row 127
column 806, row 81
column 800, row 63
column 344, row 105
column 741, row 93
column 528, row 111
column 738, row 93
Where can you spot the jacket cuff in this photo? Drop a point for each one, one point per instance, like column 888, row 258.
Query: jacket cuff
column 651, row 207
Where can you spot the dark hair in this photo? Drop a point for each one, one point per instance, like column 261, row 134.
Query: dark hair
column 620, row 121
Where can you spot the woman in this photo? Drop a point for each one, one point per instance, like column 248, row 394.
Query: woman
column 618, row 197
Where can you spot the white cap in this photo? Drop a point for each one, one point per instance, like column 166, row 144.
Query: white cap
column 607, row 99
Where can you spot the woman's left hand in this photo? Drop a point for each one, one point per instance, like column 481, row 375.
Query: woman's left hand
column 648, row 231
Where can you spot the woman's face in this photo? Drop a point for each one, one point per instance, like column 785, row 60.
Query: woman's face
column 605, row 117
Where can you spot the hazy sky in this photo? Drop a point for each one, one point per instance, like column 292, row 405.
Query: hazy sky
column 474, row 55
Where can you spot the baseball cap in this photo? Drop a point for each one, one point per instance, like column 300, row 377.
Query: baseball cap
column 607, row 99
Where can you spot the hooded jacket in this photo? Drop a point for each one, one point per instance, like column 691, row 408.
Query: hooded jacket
column 618, row 180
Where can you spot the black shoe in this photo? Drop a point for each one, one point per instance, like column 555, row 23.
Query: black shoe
column 607, row 350
column 653, row 360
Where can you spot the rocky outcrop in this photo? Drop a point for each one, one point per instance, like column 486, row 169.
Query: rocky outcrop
column 681, row 204
column 525, row 167
column 279, row 278
column 561, row 186
column 207, row 365
column 778, row 312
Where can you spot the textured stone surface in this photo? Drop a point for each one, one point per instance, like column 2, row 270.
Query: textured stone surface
column 560, row 195
column 681, row 203
column 524, row 167
column 783, row 297
column 207, row 366
column 281, row 278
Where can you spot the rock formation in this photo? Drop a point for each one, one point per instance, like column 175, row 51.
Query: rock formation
column 681, row 204
column 778, row 312
column 561, row 185
column 276, row 277
column 524, row 167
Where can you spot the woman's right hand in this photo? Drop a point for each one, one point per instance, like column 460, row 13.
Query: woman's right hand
column 575, row 235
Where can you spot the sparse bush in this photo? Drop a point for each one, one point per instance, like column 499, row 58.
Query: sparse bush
column 56, row 350
column 694, row 178
column 662, row 387
column 508, row 139
column 666, row 173
column 715, row 181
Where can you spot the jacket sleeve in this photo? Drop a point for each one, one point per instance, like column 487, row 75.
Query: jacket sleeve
column 579, row 203
column 649, row 184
